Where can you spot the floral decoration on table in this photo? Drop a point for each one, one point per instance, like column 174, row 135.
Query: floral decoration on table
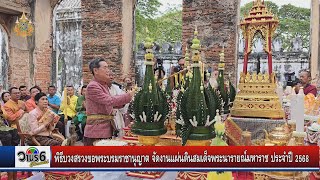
column 218, row 141
column 150, row 106
column 197, row 104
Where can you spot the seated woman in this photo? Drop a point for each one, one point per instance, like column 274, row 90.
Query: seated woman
column 8, row 136
column 81, row 116
column 42, row 122
column 5, row 96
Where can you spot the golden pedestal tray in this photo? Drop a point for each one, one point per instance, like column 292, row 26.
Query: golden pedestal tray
column 257, row 97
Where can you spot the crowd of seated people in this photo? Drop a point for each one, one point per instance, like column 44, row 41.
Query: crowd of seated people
column 35, row 107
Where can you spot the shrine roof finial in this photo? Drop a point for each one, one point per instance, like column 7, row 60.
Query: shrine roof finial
column 259, row 14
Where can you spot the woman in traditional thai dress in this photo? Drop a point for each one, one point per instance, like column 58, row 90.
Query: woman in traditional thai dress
column 42, row 122
column 5, row 96
column 81, row 116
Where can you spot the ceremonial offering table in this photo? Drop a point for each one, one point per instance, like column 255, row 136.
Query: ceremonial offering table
column 192, row 175
column 313, row 138
column 171, row 175
column 257, row 125
column 68, row 175
column 169, row 140
column 165, row 140
column 129, row 137
column 278, row 176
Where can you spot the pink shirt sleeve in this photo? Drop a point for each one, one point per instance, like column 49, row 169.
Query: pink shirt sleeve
column 34, row 125
column 96, row 94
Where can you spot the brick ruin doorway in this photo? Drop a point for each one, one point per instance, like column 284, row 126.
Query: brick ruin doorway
column 4, row 58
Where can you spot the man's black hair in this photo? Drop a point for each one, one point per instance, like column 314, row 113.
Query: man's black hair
column 12, row 88
column 23, row 86
column 95, row 64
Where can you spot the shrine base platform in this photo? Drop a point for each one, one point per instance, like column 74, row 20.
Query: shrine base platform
column 257, row 125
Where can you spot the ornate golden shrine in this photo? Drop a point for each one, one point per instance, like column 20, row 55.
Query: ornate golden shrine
column 257, row 96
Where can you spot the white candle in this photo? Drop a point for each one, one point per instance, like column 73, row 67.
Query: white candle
column 300, row 111
column 288, row 90
column 293, row 108
column 280, row 92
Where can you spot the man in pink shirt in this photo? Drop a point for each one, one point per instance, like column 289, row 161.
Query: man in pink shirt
column 100, row 104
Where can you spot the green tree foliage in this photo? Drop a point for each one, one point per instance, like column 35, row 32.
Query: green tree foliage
column 164, row 28
column 294, row 22
column 145, row 11
column 169, row 26
column 148, row 8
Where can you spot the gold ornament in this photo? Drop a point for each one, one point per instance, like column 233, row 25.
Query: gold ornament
column 148, row 140
column 23, row 26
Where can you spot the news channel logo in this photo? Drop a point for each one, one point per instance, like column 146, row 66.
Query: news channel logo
column 31, row 156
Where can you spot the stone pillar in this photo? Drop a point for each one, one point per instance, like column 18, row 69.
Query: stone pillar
column 107, row 32
column 127, row 33
column 217, row 23
column 314, row 48
column 42, row 52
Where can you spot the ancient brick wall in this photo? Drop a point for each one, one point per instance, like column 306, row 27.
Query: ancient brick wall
column 29, row 58
column 43, row 65
column 216, row 21
column 18, row 66
column 103, row 36
column 42, row 54
column 101, row 33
